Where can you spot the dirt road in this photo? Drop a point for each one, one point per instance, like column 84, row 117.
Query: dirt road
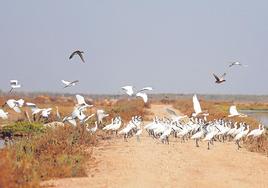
column 152, row 164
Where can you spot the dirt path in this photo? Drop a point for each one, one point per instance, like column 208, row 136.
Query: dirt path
column 152, row 164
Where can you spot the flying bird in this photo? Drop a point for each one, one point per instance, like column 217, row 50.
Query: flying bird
column 219, row 80
column 236, row 63
column 233, row 112
column 14, row 84
column 79, row 53
column 15, row 105
column 33, row 107
column 197, row 106
column 129, row 90
column 81, row 103
column 68, row 83
column 143, row 95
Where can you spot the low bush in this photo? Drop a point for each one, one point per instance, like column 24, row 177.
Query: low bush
column 56, row 153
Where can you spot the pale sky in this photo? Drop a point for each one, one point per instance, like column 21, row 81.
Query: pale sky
column 173, row 46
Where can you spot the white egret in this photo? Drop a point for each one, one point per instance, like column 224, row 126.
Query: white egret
column 129, row 90
column 69, row 83
column 237, row 64
column 233, row 112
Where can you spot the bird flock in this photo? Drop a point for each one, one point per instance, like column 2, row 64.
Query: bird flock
column 195, row 128
column 221, row 79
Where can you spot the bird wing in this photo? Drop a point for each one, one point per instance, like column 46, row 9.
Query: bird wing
column 71, row 56
column 20, row 102
column 197, row 106
column 80, row 99
column 129, row 90
column 17, row 109
column 233, row 111
column 224, row 74
column 232, row 64
column 81, row 56
column 86, row 119
column 146, row 89
column 33, row 108
column 72, row 121
column 144, row 96
column 73, row 82
column 31, row 105
column 216, row 77
column 65, row 82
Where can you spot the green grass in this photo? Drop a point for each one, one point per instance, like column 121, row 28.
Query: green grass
column 23, row 128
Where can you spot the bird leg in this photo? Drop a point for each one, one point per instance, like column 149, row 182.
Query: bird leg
column 196, row 142
column 238, row 146
column 208, row 145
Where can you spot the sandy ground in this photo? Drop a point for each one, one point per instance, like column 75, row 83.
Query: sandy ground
column 151, row 164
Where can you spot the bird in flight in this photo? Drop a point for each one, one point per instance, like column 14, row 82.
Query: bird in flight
column 236, row 63
column 219, row 80
column 14, row 104
column 78, row 52
column 14, row 84
column 129, row 90
column 69, row 84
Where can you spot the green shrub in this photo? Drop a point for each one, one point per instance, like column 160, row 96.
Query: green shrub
column 23, row 128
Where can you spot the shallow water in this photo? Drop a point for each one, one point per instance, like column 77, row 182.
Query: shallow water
column 261, row 115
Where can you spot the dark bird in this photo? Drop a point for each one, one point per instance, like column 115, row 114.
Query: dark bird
column 219, row 80
column 78, row 52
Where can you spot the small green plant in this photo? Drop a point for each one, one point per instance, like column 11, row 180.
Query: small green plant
column 23, row 128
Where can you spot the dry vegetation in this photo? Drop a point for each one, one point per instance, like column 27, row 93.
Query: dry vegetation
column 220, row 109
column 37, row 153
column 56, row 153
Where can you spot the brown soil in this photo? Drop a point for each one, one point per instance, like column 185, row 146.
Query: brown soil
column 153, row 164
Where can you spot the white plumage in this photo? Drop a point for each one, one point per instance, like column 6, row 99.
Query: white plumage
column 3, row 114
column 197, row 106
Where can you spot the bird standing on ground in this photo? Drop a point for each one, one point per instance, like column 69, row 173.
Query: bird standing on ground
column 79, row 53
column 101, row 115
column 219, row 80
